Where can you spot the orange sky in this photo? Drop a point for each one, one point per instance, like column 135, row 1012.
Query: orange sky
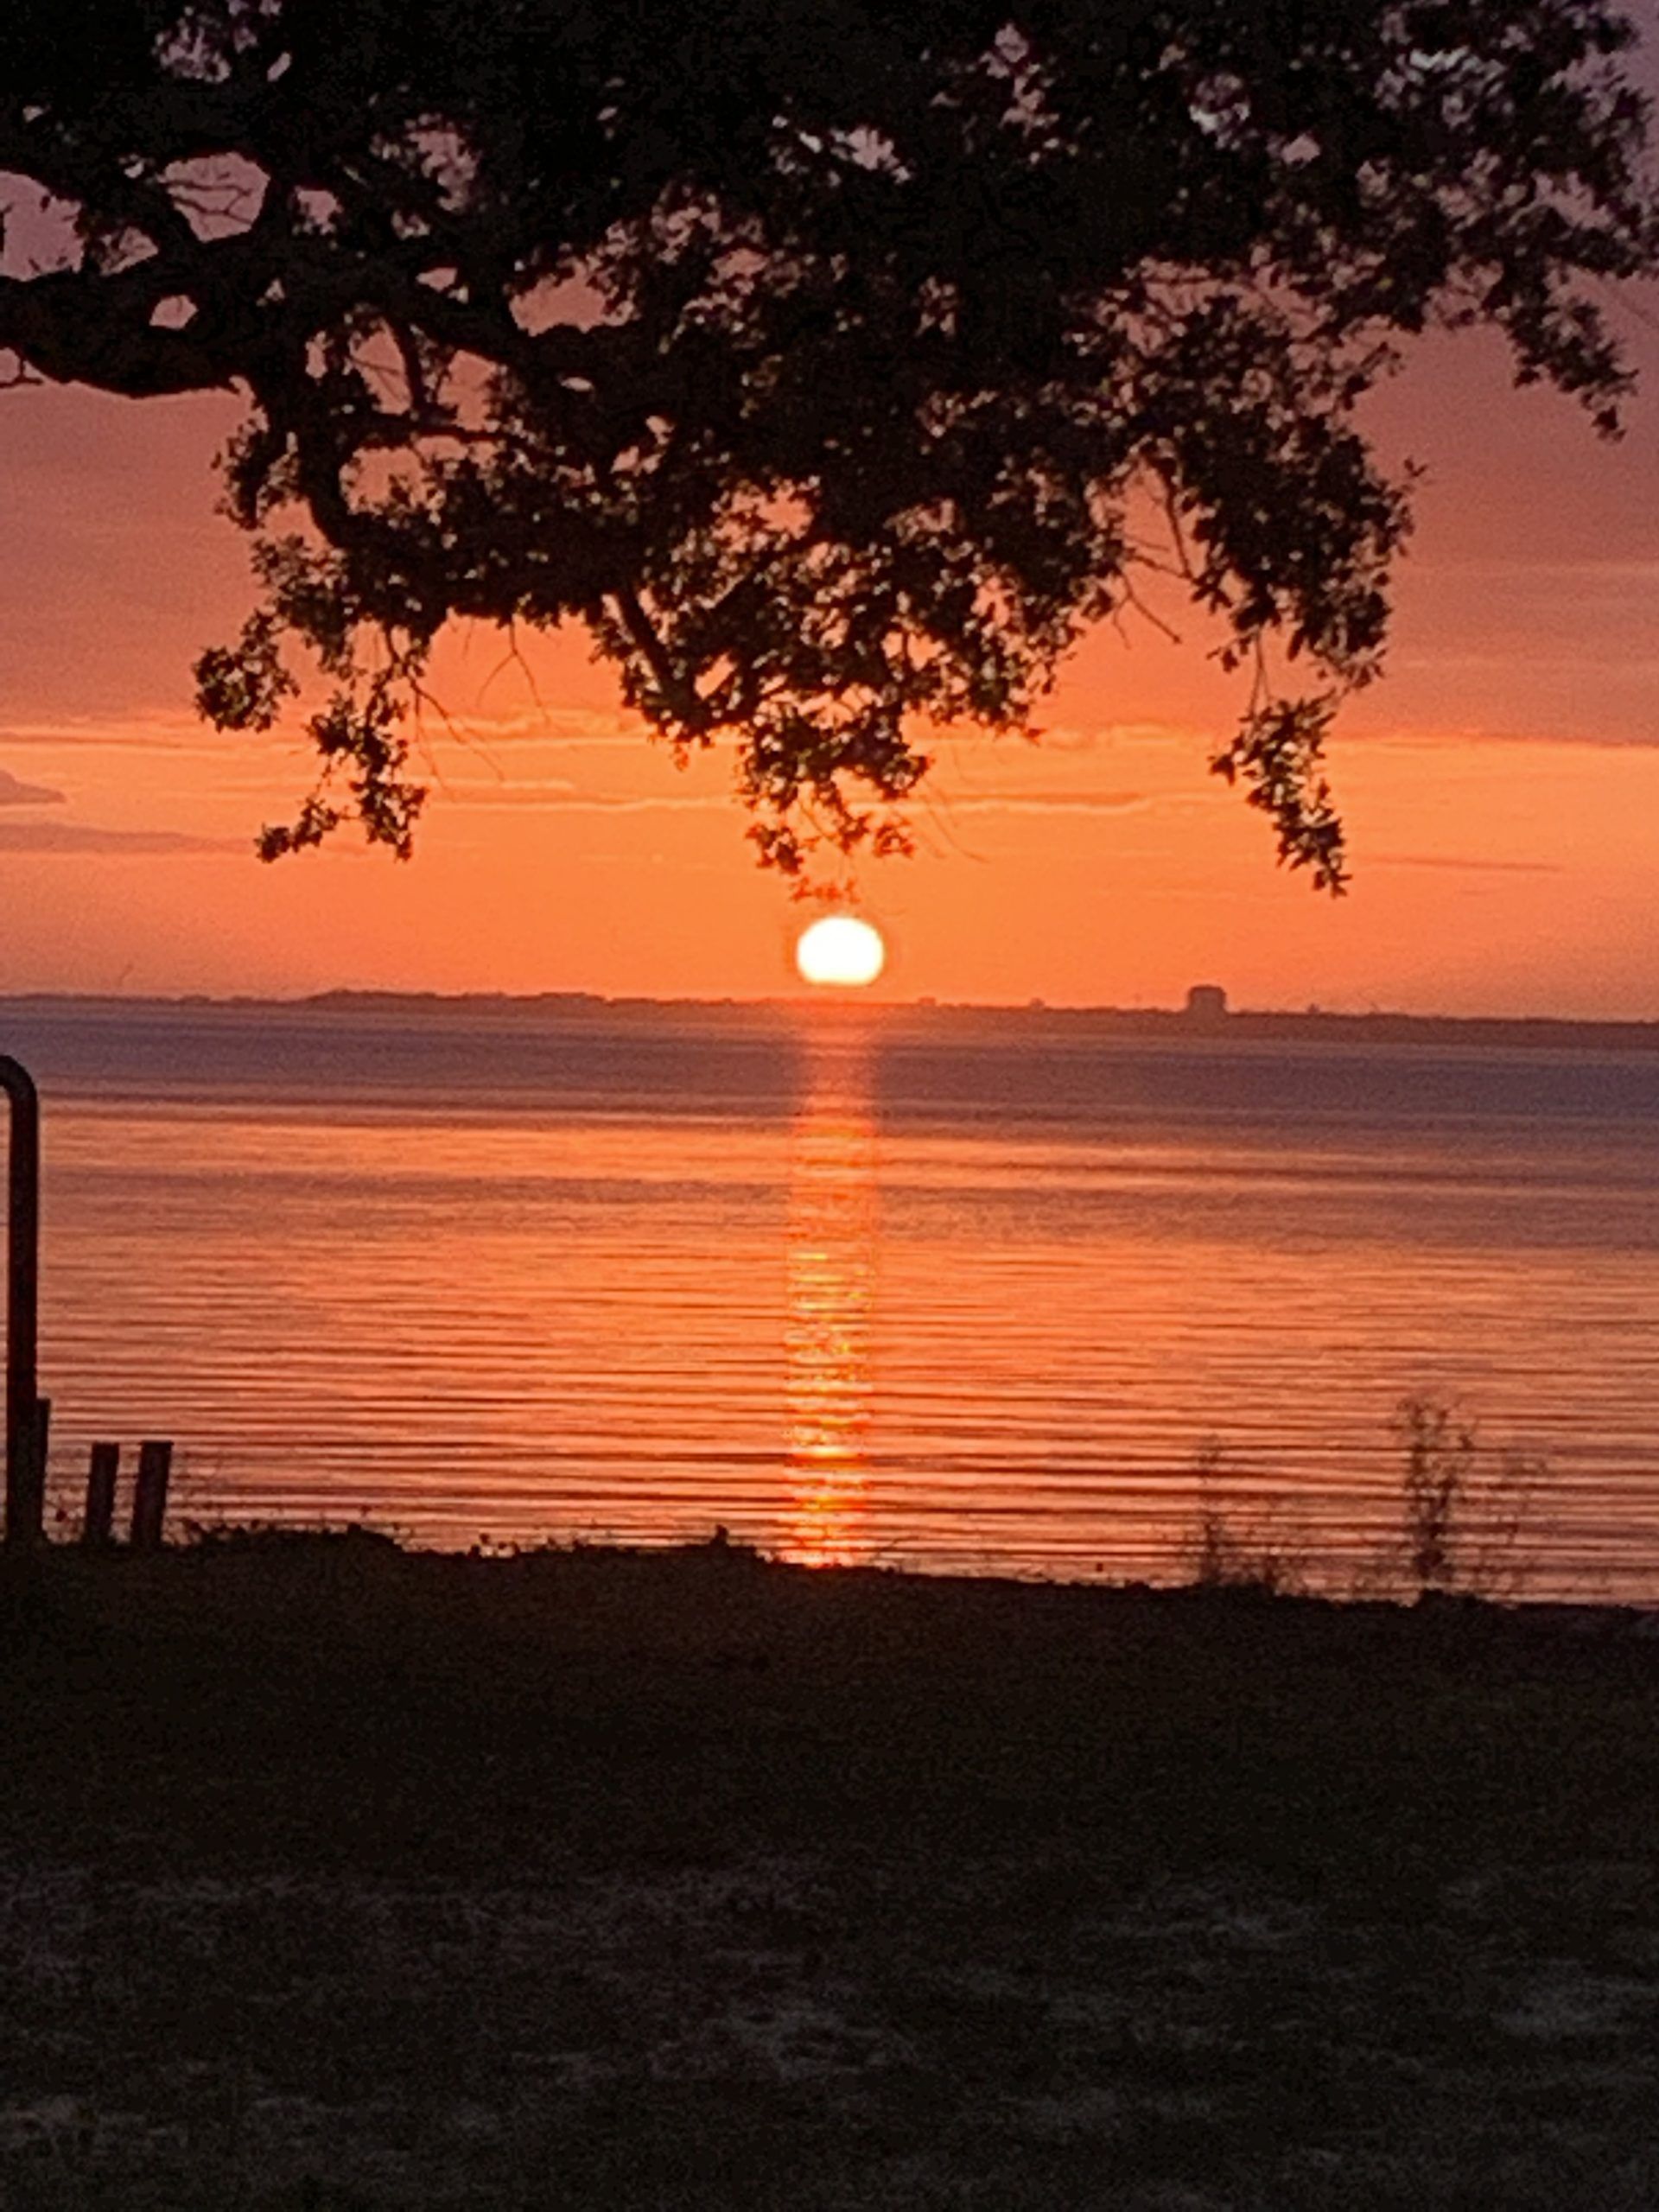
column 1501, row 787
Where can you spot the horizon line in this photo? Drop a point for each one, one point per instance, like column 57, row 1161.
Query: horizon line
column 1202, row 1020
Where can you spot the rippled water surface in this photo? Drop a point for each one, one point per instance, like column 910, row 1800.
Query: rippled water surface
column 942, row 1294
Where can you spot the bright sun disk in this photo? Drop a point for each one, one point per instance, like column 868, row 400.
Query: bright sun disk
column 840, row 949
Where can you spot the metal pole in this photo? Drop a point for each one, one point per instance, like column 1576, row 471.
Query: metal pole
column 25, row 1482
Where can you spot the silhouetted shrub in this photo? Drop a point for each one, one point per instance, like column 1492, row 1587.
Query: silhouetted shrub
column 1234, row 1547
column 1464, row 1511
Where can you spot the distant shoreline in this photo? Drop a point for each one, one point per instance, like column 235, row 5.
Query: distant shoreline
column 1169, row 1024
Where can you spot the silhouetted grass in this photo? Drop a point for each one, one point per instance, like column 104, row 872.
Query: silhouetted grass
column 287, row 1538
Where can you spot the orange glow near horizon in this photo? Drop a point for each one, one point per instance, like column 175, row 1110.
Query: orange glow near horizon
column 1500, row 784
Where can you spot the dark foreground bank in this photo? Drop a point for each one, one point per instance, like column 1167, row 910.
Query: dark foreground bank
column 339, row 1877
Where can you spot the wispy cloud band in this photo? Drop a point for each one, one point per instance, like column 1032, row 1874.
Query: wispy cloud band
column 58, row 837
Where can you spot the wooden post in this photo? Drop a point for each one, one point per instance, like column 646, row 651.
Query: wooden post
column 35, row 1464
column 25, row 1495
column 149, row 1494
column 98, row 1527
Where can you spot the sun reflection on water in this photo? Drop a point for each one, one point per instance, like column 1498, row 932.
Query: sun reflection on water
column 832, row 1249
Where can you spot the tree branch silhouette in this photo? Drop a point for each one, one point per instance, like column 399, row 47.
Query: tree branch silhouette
column 811, row 354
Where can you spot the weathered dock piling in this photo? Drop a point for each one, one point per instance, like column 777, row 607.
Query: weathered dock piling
column 149, row 1494
column 25, row 1424
column 97, row 1525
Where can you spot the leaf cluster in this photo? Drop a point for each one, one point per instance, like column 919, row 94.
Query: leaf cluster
column 813, row 354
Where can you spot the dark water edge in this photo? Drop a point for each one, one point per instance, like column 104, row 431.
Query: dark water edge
column 956, row 1063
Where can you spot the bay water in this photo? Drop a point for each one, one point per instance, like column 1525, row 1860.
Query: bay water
column 1008, row 1293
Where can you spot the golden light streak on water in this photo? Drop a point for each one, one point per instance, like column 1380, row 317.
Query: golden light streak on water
column 832, row 1242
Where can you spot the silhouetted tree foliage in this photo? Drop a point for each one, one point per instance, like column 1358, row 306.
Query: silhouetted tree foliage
column 813, row 354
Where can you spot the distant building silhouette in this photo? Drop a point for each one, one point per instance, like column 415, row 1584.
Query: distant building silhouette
column 1206, row 1005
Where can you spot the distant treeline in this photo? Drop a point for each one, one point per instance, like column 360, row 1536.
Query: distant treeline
column 927, row 1016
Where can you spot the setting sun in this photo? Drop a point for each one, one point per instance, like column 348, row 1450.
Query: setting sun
column 840, row 949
